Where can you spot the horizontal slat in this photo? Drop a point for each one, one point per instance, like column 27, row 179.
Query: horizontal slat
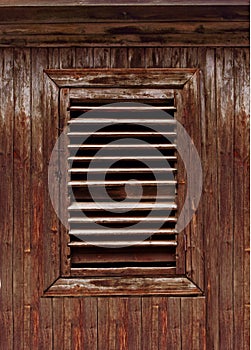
column 122, row 170
column 124, row 254
column 121, row 232
column 104, row 94
column 87, row 159
column 107, row 220
column 123, row 286
column 110, row 78
column 107, row 206
column 120, row 121
column 112, row 183
column 120, row 134
column 119, row 146
column 116, row 243
column 123, row 271
column 121, row 108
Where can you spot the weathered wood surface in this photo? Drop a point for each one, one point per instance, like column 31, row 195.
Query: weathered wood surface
column 123, row 286
column 118, row 2
column 6, row 199
column 97, row 78
column 170, row 316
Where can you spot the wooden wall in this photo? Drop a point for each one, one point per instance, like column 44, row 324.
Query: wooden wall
column 142, row 323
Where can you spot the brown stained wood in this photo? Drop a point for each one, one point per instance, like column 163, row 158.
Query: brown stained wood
column 53, row 58
column 58, row 323
column 241, row 282
column 46, row 329
column 136, row 57
column 84, row 57
column 196, row 108
column 123, row 286
column 210, row 194
column 118, row 2
column 39, row 61
column 115, row 94
column 246, row 192
column 150, row 325
column 123, row 271
column 101, row 57
column 21, row 201
column 193, row 329
column 151, row 13
column 161, row 323
column 84, row 323
column 132, row 254
column 52, row 232
column 123, row 35
column 63, row 193
column 68, row 320
column 119, row 323
column 6, row 197
column 67, row 58
column 119, row 57
column 225, row 118
column 153, row 78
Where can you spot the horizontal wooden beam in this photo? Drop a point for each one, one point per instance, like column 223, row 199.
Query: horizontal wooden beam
column 38, row 3
column 123, row 13
column 168, row 286
column 126, row 34
column 153, row 78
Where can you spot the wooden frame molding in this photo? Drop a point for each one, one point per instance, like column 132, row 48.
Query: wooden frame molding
column 148, row 23
column 184, row 84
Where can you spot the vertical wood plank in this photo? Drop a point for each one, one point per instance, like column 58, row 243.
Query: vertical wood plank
column 21, row 176
column 119, row 57
column 173, row 335
column 58, row 323
column 53, row 58
column 39, row 62
column 67, row 57
column 150, row 324
column 136, row 57
column 225, row 118
column 63, row 192
column 102, row 57
column 67, row 323
column 6, row 197
column 241, row 206
column 84, row 323
column 154, row 57
column 193, row 331
column 46, row 329
column 51, row 238
column 246, row 196
column 210, row 195
column 119, row 323
column 84, row 57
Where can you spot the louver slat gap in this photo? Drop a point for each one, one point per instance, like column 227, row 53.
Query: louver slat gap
column 118, row 246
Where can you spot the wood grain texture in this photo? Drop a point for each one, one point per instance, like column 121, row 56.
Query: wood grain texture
column 119, row 323
column 210, row 193
column 193, row 330
column 39, row 61
column 118, row 2
column 241, row 203
column 6, row 198
column 98, row 286
column 97, row 78
column 84, row 323
column 95, row 14
column 225, row 120
column 21, row 234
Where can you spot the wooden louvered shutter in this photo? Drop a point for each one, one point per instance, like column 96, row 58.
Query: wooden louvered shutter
column 158, row 252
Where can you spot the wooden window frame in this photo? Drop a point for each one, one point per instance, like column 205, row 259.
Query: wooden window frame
column 185, row 85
